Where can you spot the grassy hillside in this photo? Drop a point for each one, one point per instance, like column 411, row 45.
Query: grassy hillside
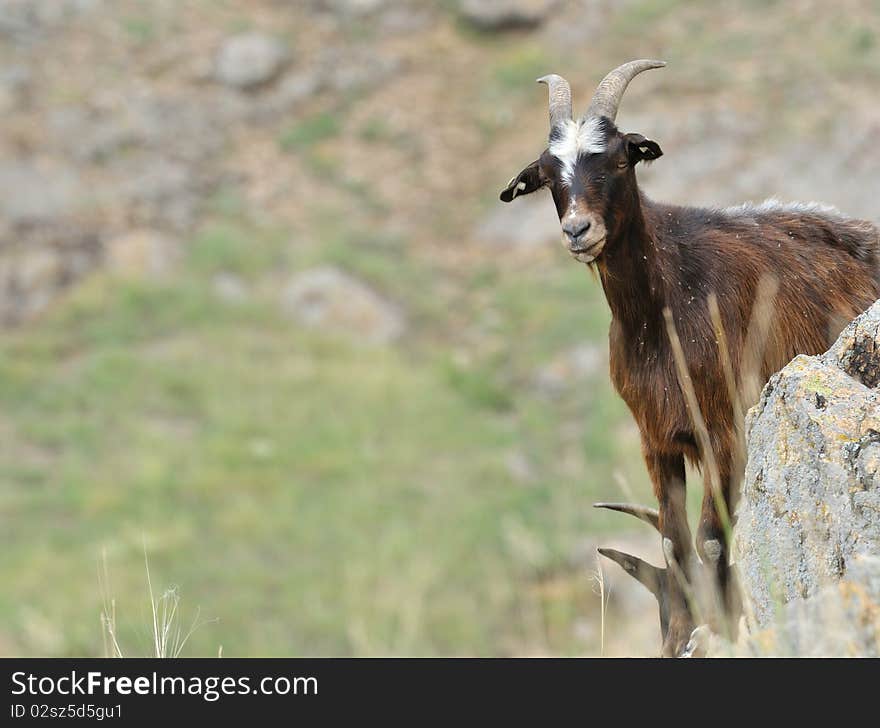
column 314, row 494
column 318, row 497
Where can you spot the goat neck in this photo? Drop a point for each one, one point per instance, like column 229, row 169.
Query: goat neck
column 630, row 269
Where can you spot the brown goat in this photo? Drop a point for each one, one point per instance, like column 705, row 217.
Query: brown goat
column 659, row 265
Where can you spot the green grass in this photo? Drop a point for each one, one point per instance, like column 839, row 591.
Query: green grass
column 140, row 29
column 315, row 496
column 376, row 130
column 518, row 68
column 321, row 497
column 231, row 246
column 311, row 130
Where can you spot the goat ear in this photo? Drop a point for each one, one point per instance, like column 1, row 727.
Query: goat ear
column 524, row 183
column 639, row 149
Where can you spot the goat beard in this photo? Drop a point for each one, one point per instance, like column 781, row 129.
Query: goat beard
column 589, row 254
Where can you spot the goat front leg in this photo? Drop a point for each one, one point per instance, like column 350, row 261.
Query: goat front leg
column 670, row 585
column 713, row 534
column 668, row 476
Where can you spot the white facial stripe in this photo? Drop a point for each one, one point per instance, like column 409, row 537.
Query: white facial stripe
column 572, row 210
column 576, row 138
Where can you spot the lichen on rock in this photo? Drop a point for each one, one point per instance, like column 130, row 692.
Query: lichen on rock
column 807, row 539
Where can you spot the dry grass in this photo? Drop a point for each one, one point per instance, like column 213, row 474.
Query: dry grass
column 169, row 632
column 704, row 598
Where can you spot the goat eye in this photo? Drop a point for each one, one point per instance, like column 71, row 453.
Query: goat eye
column 623, row 164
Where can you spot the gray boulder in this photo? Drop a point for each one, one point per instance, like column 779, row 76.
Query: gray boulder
column 249, row 60
column 141, row 253
column 24, row 17
column 493, row 15
column 37, row 264
column 328, row 299
column 353, row 8
column 35, row 192
column 807, row 539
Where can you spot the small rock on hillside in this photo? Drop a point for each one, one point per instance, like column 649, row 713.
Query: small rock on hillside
column 34, row 192
column 353, row 8
column 37, row 264
column 141, row 253
column 491, row 15
column 249, row 60
column 328, row 299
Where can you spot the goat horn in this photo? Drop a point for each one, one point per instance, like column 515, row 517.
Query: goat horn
column 651, row 516
column 653, row 578
column 560, row 99
column 610, row 91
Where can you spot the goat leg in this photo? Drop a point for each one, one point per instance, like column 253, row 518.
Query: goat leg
column 719, row 588
column 668, row 585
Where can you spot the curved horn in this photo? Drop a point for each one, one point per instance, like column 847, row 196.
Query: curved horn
column 560, row 99
column 651, row 577
column 654, row 579
column 610, row 91
column 651, row 516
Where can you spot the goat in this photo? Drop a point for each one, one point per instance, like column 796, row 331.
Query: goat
column 660, row 266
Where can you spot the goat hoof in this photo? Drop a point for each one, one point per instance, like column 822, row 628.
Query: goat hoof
column 698, row 643
column 678, row 630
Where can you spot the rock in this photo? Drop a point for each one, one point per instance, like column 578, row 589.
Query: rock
column 249, row 60
column 229, row 287
column 23, row 17
column 353, row 8
column 141, row 253
column 405, row 19
column 841, row 620
column 593, row 20
column 528, row 224
column 809, row 516
column 334, row 69
column 519, row 466
column 292, row 90
column 38, row 263
column 32, row 192
column 345, row 70
column 328, row 299
column 15, row 87
column 492, row 15
column 37, row 275
column 160, row 191
column 189, row 129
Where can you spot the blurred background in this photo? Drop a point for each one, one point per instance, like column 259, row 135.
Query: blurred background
column 264, row 318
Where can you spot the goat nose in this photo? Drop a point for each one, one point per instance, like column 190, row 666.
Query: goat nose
column 574, row 229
